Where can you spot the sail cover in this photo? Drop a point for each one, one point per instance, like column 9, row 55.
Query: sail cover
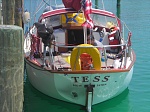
column 76, row 4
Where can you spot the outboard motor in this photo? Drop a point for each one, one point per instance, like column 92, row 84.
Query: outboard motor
column 46, row 33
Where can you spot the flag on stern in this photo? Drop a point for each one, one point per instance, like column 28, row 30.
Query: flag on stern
column 86, row 7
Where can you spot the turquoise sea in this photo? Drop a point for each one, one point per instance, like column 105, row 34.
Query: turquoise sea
column 136, row 98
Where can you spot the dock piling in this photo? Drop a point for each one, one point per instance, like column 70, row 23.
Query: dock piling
column 11, row 68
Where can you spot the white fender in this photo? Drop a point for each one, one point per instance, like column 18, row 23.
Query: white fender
column 33, row 31
column 26, row 17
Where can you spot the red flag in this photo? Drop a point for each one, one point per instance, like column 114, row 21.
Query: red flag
column 76, row 4
column 67, row 3
column 87, row 6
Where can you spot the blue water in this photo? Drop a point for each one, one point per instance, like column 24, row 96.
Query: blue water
column 136, row 98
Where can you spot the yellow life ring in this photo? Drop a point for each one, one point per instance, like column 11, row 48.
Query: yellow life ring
column 93, row 52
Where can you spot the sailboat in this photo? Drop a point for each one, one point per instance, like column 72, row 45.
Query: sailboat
column 62, row 62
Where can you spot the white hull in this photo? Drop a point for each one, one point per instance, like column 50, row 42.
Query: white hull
column 68, row 88
column 68, row 61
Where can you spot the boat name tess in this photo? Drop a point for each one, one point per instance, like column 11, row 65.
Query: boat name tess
column 86, row 79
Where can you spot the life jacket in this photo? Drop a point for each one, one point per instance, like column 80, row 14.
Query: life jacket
column 112, row 37
column 86, row 61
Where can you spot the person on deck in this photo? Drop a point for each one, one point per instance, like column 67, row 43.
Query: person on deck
column 91, row 40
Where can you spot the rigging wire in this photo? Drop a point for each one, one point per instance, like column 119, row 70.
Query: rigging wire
column 99, row 6
column 50, row 2
column 55, row 3
column 103, row 4
column 46, row 3
column 40, row 7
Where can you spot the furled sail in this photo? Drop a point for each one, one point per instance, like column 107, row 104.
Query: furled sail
column 76, row 4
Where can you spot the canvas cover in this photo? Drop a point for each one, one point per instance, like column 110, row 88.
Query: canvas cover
column 75, row 4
